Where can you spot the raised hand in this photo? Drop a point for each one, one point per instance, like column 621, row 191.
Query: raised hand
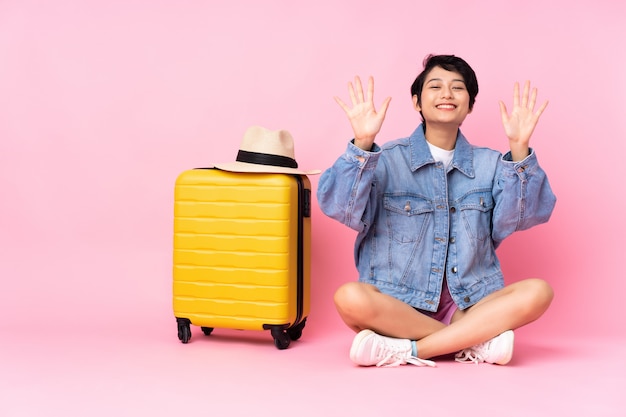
column 520, row 124
column 364, row 119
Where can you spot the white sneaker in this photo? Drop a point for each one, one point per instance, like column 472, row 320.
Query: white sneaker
column 498, row 350
column 369, row 348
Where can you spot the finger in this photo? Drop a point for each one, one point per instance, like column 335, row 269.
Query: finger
column 359, row 89
column 503, row 112
column 352, row 94
column 383, row 108
column 541, row 109
column 533, row 99
column 516, row 95
column 343, row 105
column 370, row 89
column 525, row 94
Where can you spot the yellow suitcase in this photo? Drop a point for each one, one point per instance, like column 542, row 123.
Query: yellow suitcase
column 242, row 253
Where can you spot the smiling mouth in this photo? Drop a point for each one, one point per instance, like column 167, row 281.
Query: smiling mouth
column 446, row 106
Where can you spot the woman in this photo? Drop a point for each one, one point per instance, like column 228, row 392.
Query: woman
column 430, row 211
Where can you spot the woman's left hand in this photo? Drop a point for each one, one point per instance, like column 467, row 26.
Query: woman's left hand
column 520, row 124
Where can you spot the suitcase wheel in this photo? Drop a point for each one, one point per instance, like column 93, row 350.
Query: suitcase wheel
column 207, row 330
column 281, row 338
column 295, row 332
column 184, row 330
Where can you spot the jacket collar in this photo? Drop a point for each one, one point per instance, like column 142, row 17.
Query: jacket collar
column 420, row 153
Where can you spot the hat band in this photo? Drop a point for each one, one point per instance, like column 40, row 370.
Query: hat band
column 266, row 159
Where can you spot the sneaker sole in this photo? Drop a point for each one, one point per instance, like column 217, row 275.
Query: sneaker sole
column 354, row 349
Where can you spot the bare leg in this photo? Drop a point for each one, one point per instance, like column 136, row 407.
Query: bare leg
column 507, row 309
column 362, row 306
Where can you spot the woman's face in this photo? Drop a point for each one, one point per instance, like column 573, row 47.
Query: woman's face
column 444, row 98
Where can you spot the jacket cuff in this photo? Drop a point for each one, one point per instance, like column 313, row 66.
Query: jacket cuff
column 521, row 168
column 360, row 157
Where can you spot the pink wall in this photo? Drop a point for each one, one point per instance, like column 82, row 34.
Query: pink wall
column 103, row 103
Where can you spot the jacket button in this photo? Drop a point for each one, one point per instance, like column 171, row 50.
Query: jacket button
column 466, row 299
column 452, row 209
column 452, row 240
column 454, row 269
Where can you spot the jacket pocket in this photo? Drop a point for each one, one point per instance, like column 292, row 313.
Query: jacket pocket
column 407, row 216
column 476, row 210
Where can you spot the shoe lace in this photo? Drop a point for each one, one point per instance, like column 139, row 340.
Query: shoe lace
column 397, row 360
column 396, row 356
column 468, row 356
column 475, row 354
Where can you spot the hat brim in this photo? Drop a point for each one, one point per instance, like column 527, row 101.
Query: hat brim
column 258, row 168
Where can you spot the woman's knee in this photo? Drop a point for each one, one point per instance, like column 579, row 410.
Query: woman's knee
column 352, row 297
column 539, row 294
column 543, row 290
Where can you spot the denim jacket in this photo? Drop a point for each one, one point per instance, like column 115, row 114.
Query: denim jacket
column 417, row 224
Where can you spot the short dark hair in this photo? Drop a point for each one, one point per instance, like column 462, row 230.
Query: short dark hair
column 448, row 63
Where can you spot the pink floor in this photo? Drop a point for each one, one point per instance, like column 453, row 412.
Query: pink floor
column 90, row 332
column 128, row 368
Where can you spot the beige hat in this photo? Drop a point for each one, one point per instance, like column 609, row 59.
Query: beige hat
column 263, row 150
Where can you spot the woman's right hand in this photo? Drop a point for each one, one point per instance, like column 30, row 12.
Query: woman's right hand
column 364, row 119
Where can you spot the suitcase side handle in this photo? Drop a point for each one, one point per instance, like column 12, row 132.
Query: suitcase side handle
column 306, row 203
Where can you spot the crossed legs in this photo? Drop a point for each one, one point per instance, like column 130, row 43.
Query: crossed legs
column 363, row 306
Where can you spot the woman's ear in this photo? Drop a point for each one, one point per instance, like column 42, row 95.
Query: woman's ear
column 415, row 104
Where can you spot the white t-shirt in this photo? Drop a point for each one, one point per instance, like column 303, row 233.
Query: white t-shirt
column 441, row 155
